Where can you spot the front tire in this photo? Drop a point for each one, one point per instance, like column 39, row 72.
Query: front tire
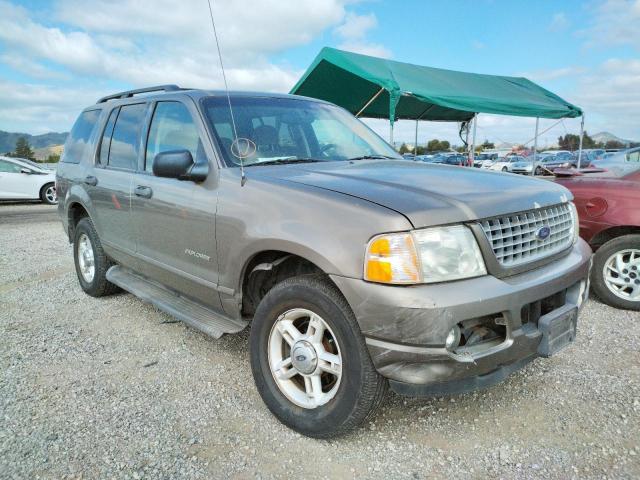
column 505, row 169
column 616, row 272
column 309, row 359
column 48, row 194
column 90, row 261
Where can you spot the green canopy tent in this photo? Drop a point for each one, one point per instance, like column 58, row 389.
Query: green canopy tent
column 379, row 88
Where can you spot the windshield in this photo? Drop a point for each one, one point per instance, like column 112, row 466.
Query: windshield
column 290, row 130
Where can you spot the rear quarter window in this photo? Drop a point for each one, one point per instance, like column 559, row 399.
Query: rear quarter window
column 78, row 142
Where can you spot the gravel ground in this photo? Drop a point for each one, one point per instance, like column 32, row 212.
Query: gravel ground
column 110, row 388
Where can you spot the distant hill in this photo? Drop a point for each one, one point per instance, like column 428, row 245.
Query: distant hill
column 43, row 153
column 8, row 140
column 604, row 137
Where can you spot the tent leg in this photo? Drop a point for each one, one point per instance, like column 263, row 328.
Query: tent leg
column 535, row 148
column 415, row 143
column 581, row 137
column 391, row 134
column 472, row 157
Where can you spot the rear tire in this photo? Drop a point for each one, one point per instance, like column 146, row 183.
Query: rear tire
column 538, row 171
column 505, row 169
column 48, row 194
column 615, row 276
column 90, row 261
column 344, row 400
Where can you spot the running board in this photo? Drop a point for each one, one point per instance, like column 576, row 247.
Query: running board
column 192, row 313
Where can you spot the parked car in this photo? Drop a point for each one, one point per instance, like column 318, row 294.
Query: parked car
column 505, row 164
column 484, row 160
column 588, row 157
column 607, row 202
column 528, row 166
column 347, row 260
column 22, row 179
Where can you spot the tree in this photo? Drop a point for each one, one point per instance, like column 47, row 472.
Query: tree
column 53, row 158
column 614, row 144
column 436, row 145
column 487, row 145
column 572, row 142
column 23, row 149
column 404, row 149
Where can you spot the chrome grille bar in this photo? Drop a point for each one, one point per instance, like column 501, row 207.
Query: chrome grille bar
column 514, row 238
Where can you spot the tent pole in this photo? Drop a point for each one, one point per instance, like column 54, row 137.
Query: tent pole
column 581, row 137
column 535, row 148
column 415, row 144
column 391, row 134
column 370, row 101
column 473, row 140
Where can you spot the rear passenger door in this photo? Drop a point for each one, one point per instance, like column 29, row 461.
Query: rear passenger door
column 111, row 186
column 175, row 219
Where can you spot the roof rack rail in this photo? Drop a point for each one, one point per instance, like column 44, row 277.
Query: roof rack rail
column 131, row 93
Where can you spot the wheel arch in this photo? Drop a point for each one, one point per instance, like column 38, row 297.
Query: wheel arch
column 76, row 211
column 604, row 236
column 266, row 268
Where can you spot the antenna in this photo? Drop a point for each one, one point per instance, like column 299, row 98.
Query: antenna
column 226, row 87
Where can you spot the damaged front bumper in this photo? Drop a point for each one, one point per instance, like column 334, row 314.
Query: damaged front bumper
column 507, row 323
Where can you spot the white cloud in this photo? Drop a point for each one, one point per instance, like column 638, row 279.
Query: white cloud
column 615, row 22
column 546, row 75
column 353, row 32
column 172, row 41
column 559, row 22
column 131, row 43
column 39, row 108
column 24, row 65
column 610, row 96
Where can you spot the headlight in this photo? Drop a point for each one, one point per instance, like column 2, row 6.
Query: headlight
column 575, row 220
column 424, row 256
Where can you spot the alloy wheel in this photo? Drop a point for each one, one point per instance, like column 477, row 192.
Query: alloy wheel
column 622, row 274
column 304, row 358
column 86, row 258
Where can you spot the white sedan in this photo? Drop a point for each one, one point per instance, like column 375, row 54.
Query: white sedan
column 22, row 179
column 505, row 164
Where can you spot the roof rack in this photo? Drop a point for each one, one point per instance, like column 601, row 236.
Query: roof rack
column 131, row 93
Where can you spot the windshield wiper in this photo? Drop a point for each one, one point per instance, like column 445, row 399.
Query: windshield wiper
column 374, row 157
column 283, row 161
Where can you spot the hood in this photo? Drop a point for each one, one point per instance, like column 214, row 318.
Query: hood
column 426, row 194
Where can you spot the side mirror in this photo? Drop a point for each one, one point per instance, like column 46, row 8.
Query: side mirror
column 179, row 164
column 26, row 171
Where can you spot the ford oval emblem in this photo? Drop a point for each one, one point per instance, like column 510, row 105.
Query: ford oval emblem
column 543, row 233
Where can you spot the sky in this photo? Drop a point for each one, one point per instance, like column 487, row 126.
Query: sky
column 59, row 56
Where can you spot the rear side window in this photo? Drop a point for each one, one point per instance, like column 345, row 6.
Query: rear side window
column 105, row 143
column 77, row 144
column 125, row 139
column 172, row 128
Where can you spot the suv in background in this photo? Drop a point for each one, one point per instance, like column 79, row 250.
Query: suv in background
column 348, row 261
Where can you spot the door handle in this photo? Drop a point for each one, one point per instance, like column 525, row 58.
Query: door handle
column 144, row 192
column 91, row 180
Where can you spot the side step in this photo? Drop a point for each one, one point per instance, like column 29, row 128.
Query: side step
column 193, row 314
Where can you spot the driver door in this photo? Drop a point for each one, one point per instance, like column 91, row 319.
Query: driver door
column 174, row 219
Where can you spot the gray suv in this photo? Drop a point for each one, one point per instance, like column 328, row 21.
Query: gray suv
column 356, row 269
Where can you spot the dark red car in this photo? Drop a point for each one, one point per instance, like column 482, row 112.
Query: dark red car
column 608, row 203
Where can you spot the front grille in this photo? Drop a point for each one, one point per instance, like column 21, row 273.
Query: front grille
column 514, row 238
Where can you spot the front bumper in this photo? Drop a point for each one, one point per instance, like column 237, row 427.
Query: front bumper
column 405, row 327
